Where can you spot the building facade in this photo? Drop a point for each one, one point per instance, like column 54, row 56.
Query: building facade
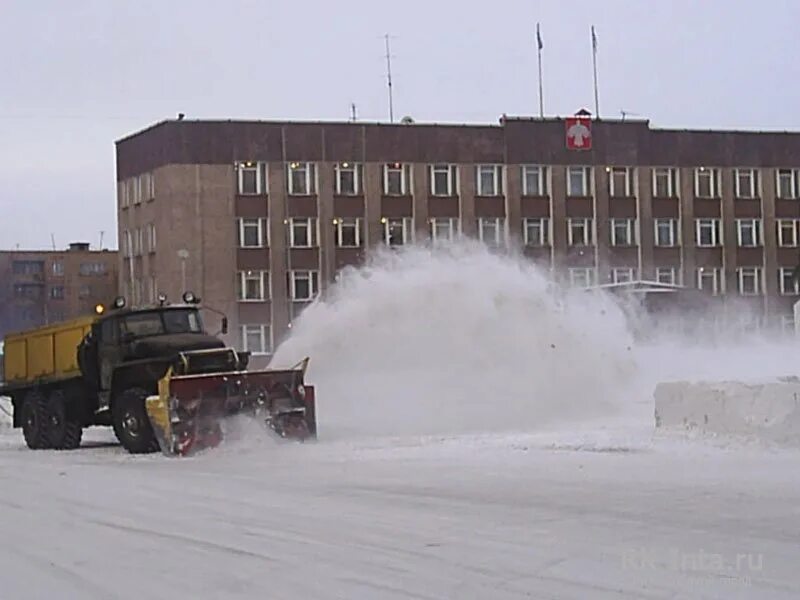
column 257, row 217
column 41, row 287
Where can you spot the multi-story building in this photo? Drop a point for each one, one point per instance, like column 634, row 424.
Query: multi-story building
column 257, row 217
column 40, row 287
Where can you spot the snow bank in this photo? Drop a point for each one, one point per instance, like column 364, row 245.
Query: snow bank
column 767, row 411
column 458, row 339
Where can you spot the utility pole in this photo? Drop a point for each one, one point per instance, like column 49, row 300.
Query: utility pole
column 594, row 68
column 389, row 78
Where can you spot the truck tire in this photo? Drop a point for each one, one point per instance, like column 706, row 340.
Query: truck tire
column 34, row 421
column 131, row 423
column 64, row 431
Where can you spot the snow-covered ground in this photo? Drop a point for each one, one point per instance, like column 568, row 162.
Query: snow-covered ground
column 480, row 437
column 498, row 516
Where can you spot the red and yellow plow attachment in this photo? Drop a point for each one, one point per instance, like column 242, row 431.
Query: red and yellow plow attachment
column 190, row 409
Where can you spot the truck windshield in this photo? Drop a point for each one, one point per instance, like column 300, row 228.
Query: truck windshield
column 161, row 322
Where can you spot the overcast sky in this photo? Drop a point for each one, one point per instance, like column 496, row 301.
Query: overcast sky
column 76, row 76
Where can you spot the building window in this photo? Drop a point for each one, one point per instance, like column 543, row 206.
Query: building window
column 665, row 182
column 709, row 279
column 786, row 282
column 706, row 183
column 536, row 232
column 27, row 290
column 491, row 231
column 749, row 281
column 579, row 232
column 746, row 183
column 667, row 275
column 303, row 285
column 708, row 233
column 28, row 267
column 444, row 229
column 151, row 237
column 748, row 232
column 622, row 232
column 578, row 181
column 348, row 179
column 620, row 182
column 57, row 292
column 489, row 180
column 787, row 232
column 786, row 183
column 398, row 231
column 122, row 194
column 58, row 268
column 93, row 268
column 253, row 286
column 251, row 178
column 84, row 291
column 444, row 180
column 581, row 276
column 257, row 339
column 348, row 233
column 534, row 180
column 302, row 178
column 253, row 233
column 303, row 232
column 622, row 274
column 667, row 232
column 396, row 179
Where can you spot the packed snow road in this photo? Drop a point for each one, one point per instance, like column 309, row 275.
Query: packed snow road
column 461, row 517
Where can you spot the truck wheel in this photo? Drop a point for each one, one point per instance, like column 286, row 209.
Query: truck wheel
column 64, row 431
column 34, row 421
column 131, row 423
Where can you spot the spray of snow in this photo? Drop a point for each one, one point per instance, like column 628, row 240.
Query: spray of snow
column 458, row 339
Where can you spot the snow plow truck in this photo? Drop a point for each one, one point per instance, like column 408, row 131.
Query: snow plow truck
column 153, row 374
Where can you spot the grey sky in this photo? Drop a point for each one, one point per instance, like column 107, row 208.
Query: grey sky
column 75, row 76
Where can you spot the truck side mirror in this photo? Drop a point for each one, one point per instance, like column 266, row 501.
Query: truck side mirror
column 224, row 325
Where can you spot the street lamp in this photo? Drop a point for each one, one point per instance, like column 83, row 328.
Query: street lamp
column 183, row 254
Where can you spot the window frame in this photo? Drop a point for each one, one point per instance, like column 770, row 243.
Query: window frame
column 264, row 285
column 451, row 173
column 313, row 284
column 753, row 192
column 405, row 178
column 310, row 170
column 347, row 166
column 793, row 183
column 260, row 169
column 453, row 225
column 541, row 176
column 674, row 233
column 312, row 226
column 718, row 279
column 499, row 226
column 496, row 171
column 627, row 172
column 757, row 273
column 588, row 231
column 717, row 240
column 262, row 233
column 715, row 187
column 264, row 331
column 673, row 181
column 783, row 274
column 590, row 273
column 544, row 225
column 795, row 225
column 343, row 222
column 407, row 227
column 758, row 233
column 586, row 172
column 674, row 275
column 630, row 226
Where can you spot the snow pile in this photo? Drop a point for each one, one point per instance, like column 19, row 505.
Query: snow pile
column 459, row 339
column 5, row 413
column 768, row 411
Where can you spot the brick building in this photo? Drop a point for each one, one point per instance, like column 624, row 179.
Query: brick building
column 40, row 287
column 257, row 216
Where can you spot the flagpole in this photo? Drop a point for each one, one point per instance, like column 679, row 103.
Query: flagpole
column 539, row 46
column 594, row 68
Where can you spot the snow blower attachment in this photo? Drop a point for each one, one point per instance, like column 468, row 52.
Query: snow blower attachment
column 194, row 400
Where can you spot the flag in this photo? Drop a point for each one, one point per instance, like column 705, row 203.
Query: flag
column 539, row 37
column 594, row 40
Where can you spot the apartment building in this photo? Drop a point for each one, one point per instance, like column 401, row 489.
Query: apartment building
column 46, row 286
column 257, row 217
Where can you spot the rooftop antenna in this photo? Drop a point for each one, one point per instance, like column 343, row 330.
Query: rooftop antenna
column 626, row 113
column 353, row 112
column 389, row 77
column 53, row 240
column 101, row 239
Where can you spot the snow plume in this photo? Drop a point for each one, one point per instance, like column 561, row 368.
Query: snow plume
column 458, row 339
